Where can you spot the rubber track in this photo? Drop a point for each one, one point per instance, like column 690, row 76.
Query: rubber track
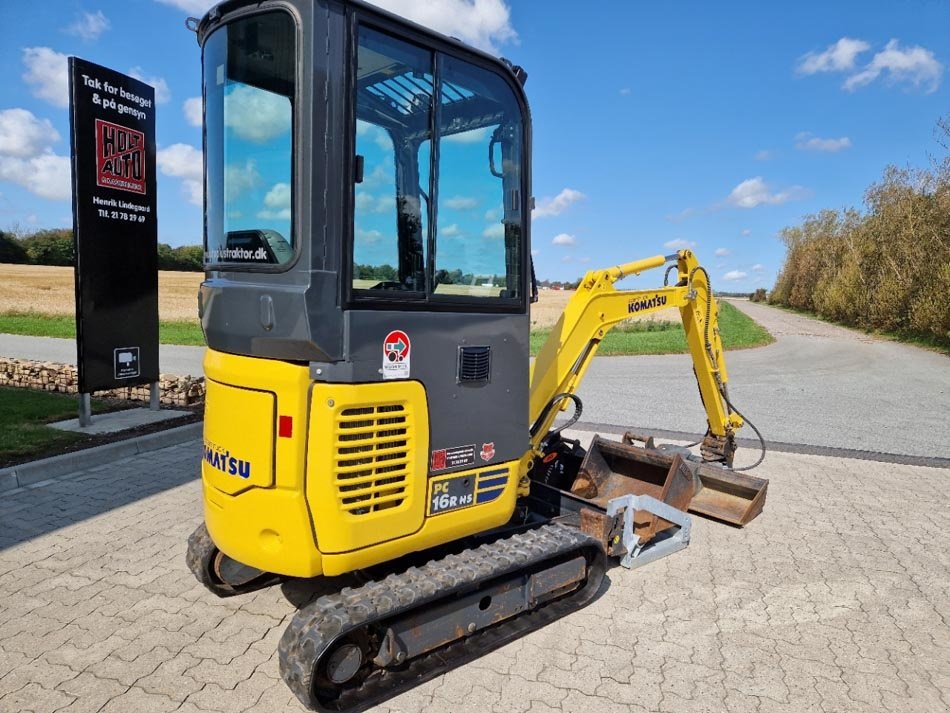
column 316, row 626
column 201, row 549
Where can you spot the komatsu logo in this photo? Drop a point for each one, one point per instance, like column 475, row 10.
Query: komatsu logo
column 221, row 459
column 648, row 303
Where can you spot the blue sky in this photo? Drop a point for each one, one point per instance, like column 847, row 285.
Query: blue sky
column 656, row 125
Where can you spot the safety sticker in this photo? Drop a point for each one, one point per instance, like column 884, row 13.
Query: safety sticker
column 453, row 457
column 488, row 451
column 396, row 348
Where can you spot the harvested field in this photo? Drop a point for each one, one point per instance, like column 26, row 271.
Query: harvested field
column 49, row 290
column 551, row 303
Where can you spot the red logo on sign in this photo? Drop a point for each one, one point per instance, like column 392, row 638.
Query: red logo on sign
column 488, row 451
column 396, row 346
column 120, row 157
column 438, row 460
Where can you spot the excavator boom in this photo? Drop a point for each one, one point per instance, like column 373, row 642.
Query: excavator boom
column 598, row 305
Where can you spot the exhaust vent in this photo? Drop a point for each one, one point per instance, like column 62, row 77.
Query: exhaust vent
column 474, row 365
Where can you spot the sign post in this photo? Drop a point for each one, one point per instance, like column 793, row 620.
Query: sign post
column 115, row 229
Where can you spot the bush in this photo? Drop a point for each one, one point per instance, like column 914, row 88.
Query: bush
column 50, row 247
column 885, row 269
column 758, row 295
column 187, row 258
column 11, row 251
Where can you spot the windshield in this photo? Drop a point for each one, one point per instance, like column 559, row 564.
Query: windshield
column 435, row 224
column 249, row 90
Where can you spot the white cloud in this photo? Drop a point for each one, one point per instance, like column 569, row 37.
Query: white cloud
column 89, row 25
column 754, row 191
column 368, row 237
column 734, row 275
column 185, row 162
column 460, row 203
column 722, row 252
column 162, row 93
column 193, row 7
column 839, row 57
column 564, row 239
column 22, row 135
column 678, row 244
column 239, row 179
column 47, row 73
column 475, row 136
column 758, row 267
column 746, row 232
column 192, row 108
column 915, row 65
column 26, row 156
column 450, row 231
column 255, row 115
column 180, row 161
column 46, row 175
column 483, row 23
column 764, row 155
column 684, row 214
column 494, row 231
column 535, row 252
column 277, row 202
column 557, row 205
column 493, row 214
column 805, row 141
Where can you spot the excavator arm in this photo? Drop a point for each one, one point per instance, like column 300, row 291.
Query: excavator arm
column 597, row 306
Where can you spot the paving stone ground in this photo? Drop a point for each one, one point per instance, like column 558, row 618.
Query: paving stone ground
column 836, row 599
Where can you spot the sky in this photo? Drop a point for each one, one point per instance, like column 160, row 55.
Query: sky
column 656, row 125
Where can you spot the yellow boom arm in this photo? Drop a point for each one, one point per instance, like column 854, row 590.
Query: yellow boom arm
column 597, row 306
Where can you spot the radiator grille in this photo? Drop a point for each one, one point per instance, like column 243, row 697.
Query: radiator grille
column 474, row 364
column 372, row 458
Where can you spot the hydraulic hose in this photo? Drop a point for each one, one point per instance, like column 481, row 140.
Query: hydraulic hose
column 712, row 358
column 575, row 417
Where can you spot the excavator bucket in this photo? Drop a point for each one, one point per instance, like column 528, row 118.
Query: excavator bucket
column 725, row 495
column 612, row 470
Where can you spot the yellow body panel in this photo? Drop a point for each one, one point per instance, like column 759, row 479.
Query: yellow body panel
column 319, row 489
column 234, row 466
column 367, row 462
column 264, row 527
column 437, row 529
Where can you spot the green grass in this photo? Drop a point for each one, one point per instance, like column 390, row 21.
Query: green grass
column 43, row 325
column 23, row 418
column 738, row 332
column 635, row 338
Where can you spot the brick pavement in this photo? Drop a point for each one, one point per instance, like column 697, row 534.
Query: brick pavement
column 836, row 599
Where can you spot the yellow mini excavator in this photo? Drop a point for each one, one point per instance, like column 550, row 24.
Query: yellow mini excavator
column 371, row 404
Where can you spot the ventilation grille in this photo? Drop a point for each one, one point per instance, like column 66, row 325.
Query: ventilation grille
column 474, row 364
column 372, row 458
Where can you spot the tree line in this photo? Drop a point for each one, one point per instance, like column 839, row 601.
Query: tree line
column 55, row 247
column 886, row 268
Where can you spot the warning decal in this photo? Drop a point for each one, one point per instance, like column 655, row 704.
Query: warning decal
column 396, row 348
column 446, row 458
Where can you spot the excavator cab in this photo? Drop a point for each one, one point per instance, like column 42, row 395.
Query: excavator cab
column 369, row 388
column 367, row 243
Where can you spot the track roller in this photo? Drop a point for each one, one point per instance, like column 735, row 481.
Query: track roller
column 221, row 575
